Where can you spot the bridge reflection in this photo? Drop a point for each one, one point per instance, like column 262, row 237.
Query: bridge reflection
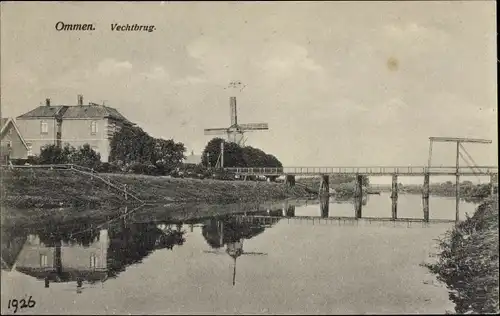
column 288, row 215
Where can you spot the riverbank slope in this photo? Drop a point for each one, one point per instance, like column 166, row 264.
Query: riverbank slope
column 27, row 188
column 468, row 262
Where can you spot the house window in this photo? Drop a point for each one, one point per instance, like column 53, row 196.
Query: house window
column 43, row 261
column 10, row 131
column 93, row 127
column 44, row 127
column 30, row 149
column 93, row 261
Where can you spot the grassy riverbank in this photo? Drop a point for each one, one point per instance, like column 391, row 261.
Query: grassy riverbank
column 63, row 188
column 468, row 262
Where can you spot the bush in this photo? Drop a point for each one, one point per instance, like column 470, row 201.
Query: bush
column 142, row 168
column 468, row 262
column 85, row 156
column 52, row 154
column 107, row 167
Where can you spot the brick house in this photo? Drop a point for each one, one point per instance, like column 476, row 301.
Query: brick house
column 76, row 125
column 13, row 145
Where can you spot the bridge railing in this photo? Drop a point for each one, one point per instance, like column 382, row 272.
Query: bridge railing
column 364, row 170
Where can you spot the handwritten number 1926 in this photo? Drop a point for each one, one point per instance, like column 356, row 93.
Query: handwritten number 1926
column 22, row 303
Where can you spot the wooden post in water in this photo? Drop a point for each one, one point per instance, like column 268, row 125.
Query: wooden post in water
column 325, row 206
column 394, row 196
column 324, row 188
column 425, row 197
column 358, row 196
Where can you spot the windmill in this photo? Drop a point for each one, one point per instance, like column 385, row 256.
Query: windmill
column 235, row 132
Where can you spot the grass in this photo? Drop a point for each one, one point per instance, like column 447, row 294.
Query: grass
column 468, row 262
column 25, row 188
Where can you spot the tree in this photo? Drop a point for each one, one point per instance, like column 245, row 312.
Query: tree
column 213, row 150
column 233, row 155
column 236, row 156
column 167, row 154
column 132, row 145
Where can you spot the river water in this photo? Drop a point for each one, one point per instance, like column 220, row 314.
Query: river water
column 294, row 257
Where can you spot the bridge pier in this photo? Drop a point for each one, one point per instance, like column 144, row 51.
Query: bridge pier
column 425, row 197
column 290, row 180
column 325, row 207
column 394, row 196
column 358, row 196
column 324, row 186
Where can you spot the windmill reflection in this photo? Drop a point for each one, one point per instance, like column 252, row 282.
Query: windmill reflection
column 81, row 252
column 232, row 232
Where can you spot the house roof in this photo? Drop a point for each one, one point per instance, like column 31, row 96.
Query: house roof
column 44, row 111
column 93, row 111
column 5, row 122
column 75, row 112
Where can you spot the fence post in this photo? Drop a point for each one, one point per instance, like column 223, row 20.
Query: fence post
column 125, row 190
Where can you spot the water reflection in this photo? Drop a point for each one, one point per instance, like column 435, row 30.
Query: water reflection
column 80, row 252
column 92, row 252
column 232, row 232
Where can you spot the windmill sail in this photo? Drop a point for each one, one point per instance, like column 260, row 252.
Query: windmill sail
column 254, row 126
column 215, row 131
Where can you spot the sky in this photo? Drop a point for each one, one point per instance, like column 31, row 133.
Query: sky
column 339, row 83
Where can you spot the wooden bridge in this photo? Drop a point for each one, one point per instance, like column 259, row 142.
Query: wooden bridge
column 360, row 172
column 370, row 171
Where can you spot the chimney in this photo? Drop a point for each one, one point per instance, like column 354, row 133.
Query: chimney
column 47, row 102
column 80, row 100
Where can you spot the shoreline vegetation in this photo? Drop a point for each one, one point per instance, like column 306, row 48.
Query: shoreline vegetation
column 468, row 261
column 27, row 188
